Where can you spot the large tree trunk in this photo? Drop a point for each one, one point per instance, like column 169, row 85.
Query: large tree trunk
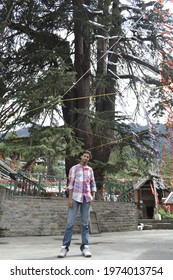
column 77, row 108
column 105, row 98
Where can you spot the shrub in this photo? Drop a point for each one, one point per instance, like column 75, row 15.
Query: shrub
column 164, row 214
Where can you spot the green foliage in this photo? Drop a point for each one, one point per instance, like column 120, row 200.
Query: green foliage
column 2, row 146
column 39, row 169
column 44, row 142
column 12, row 135
column 164, row 214
column 127, row 163
column 167, row 169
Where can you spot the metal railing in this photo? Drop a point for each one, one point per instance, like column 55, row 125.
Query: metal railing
column 39, row 185
column 30, row 184
column 116, row 191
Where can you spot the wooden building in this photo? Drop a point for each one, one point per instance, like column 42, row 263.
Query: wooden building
column 147, row 193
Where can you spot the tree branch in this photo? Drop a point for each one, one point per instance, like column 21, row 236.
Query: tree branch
column 136, row 59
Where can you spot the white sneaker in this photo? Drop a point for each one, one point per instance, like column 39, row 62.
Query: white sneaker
column 63, row 252
column 86, row 252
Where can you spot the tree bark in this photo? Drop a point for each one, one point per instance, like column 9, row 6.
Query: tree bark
column 76, row 110
column 105, row 105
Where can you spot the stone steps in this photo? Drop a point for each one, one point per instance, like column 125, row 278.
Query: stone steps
column 156, row 224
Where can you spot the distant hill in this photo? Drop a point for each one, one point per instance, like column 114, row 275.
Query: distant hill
column 160, row 127
column 161, row 141
column 23, row 132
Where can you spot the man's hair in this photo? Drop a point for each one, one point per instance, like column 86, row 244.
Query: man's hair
column 87, row 152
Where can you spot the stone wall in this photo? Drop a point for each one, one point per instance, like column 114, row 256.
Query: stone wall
column 27, row 216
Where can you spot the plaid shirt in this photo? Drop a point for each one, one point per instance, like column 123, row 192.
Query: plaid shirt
column 81, row 181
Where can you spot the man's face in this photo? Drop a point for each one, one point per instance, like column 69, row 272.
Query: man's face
column 85, row 158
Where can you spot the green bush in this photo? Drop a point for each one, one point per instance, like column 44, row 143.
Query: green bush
column 164, row 214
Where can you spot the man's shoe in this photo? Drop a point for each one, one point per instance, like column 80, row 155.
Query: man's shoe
column 86, row 252
column 63, row 252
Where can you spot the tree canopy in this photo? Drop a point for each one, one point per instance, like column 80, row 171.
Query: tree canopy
column 77, row 61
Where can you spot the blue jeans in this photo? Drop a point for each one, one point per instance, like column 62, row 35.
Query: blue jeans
column 71, row 219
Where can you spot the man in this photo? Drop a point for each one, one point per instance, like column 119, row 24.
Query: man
column 82, row 188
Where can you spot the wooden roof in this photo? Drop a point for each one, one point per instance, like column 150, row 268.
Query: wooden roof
column 142, row 182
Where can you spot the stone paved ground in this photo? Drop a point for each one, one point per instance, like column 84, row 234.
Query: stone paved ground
column 127, row 245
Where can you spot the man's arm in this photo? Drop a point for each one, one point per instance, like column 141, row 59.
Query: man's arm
column 71, row 178
column 93, row 184
column 70, row 199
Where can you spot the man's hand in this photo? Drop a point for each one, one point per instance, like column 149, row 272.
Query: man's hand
column 70, row 203
column 92, row 200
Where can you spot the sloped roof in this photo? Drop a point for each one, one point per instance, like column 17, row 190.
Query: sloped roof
column 5, row 169
column 169, row 199
column 140, row 183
